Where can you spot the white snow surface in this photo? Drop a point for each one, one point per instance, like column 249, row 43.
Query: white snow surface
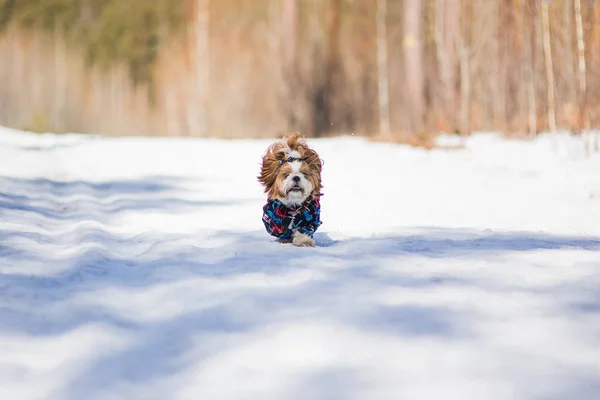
column 139, row 268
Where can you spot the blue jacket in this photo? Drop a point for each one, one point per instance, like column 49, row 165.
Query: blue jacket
column 281, row 221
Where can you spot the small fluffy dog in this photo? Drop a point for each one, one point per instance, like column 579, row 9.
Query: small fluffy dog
column 291, row 176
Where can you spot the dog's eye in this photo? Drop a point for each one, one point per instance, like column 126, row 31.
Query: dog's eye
column 286, row 175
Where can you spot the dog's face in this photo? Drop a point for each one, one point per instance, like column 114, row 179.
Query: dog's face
column 291, row 171
column 293, row 182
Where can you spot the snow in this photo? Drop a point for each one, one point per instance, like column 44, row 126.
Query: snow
column 138, row 268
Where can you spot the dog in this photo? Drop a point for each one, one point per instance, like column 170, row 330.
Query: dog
column 291, row 176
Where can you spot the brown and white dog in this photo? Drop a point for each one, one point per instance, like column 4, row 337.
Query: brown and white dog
column 291, row 176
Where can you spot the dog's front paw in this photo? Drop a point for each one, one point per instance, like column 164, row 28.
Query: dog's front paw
column 302, row 240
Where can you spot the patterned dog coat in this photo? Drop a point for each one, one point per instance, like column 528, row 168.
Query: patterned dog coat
column 281, row 221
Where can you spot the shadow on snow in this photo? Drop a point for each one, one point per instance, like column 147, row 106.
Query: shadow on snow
column 345, row 273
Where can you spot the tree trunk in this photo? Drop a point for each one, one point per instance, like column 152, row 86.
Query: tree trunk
column 464, row 54
column 287, row 50
column 60, row 81
column 583, row 103
column 38, row 77
column 447, row 29
column 334, row 96
column 382, row 70
column 549, row 67
column 413, row 63
column 465, row 92
column 289, row 16
column 593, row 60
column 530, row 75
column 504, row 28
column 568, row 39
column 198, row 113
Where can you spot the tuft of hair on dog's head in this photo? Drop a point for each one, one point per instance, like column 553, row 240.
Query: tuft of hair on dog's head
column 291, row 171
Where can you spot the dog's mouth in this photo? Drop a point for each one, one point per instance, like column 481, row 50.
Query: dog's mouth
column 295, row 188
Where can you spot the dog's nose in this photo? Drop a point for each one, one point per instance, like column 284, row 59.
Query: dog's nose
column 296, row 179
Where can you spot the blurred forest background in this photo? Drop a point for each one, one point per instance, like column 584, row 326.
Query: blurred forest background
column 394, row 69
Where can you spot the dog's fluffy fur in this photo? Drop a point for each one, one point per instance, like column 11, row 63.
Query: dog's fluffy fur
column 294, row 182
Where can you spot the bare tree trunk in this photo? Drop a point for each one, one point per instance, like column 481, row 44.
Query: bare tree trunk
column 203, row 61
column 113, row 87
column 516, row 53
column 447, row 29
column 19, row 62
column 465, row 92
column 530, row 75
column 568, row 53
column 171, row 113
column 549, row 67
column 413, row 62
column 334, row 97
column 198, row 113
column 121, row 90
column 593, row 60
column 580, row 48
column 583, row 106
column 382, row 70
column 289, row 14
column 37, row 78
column 465, row 78
column 4, row 77
column 60, row 84
column 287, row 47
column 498, row 77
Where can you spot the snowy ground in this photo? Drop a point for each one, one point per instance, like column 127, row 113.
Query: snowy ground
column 139, row 269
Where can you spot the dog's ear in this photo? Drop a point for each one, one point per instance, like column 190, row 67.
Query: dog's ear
column 314, row 163
column 271, row 162
column 296, row 141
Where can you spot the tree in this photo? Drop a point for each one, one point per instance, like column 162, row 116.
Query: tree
column 581, row 66
column 330, row 111
column 413, row 63
column 568, row 49
column 447, row 30
column 530, row 68
column 198, row 30
column 550, row 90
column 238, row 68
column 382, row 70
